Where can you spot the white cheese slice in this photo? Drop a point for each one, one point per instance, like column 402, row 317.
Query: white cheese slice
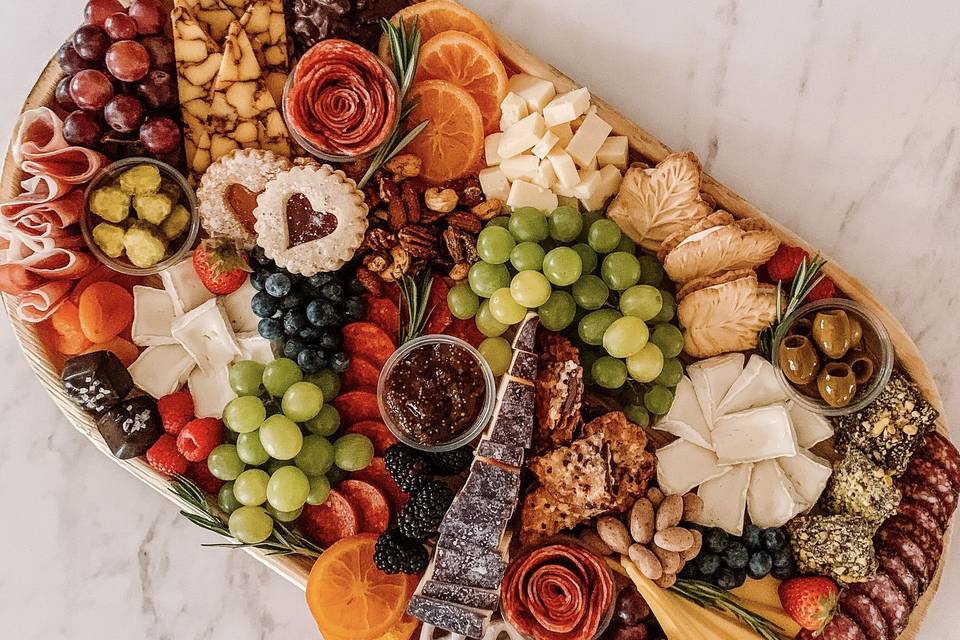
column 771, row 500
column 757, row 386
column 211, row 391
column 546, row 176
column 681, row 466
column 565, row 168
column 564, row 133
column 162, row 369
column 615, row 150
column 754, row 434
column 152, row 315
column 494, row 183
column 567, row 107
column 521, row 167
column 712, row 378
column 545, row 145
column 809, row 475
column 685, row 419
column 184, row 286
column 513, row 109
column 490, row 145
column 725, row 499
column 588, row 139
column 699, row 235
column 207, row 336
column 237, row 307
column 535, row 91
column 527, row 194
column 811, row 428
column 255, row 347
column 521, row 136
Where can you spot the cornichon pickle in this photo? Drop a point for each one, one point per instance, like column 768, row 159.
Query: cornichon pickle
column 144, row 244
column 176, row 223
column 109, row 237
column 152, row 207
column 110, row 203
column 141, row 179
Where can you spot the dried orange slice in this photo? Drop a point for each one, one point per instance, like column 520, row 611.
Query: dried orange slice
column 470, row 64
column 349, row 597
column 436, row 16
column 451, row 144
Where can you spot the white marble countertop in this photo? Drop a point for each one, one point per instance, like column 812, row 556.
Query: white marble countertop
column 837, row 118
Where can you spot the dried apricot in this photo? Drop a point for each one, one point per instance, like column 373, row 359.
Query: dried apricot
column 106, row 309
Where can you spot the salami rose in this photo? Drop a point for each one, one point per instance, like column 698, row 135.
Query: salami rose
column 342, row 100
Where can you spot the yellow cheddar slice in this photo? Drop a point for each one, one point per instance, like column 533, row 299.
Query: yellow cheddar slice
column 214, row 16
column 243, row 114
column 761, row 597
column 264, row 23
column 198, row 62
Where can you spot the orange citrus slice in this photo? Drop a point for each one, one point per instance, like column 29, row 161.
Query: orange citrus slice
column 451, row 145
column 437, row 16
column 467, row 62
column 349, row 597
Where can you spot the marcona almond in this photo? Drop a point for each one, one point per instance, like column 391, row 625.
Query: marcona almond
column 405, row 165
column 692, row 507
column 670, row 560
column 694, row 549
column 593, row 542
column 655, row 496
column 674, row 539
column 669, row 512
column 440, row 200
column 614, row 534
column 642, row 521
column 646, row 561
column 666, row 581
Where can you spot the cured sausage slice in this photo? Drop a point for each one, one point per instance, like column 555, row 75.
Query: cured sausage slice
column 333, row 520
column 894, row 606
column 892, row 566
column 941, row 451
column 913, row 556
column 929, row 498
column 861, row 610
column 919, row 513
column 931, row 544
column 840, row 628
column 931, row 474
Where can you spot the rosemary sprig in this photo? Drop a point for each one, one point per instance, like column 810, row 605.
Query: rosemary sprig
column 808, row 276
column 405, row 51
column 711, row 597
column 414, row 297
column 282, row 542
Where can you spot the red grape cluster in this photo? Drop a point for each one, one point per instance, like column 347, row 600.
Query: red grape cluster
column 120, row 87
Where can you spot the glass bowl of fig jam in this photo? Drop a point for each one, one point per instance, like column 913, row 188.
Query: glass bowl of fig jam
column 436, row 393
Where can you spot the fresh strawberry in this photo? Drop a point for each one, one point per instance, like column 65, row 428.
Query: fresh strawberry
column 810, row 601
column 824, row 289
column 165, row 458
column 175, row 410
column 785, row 262
column 221, row 266
column 199, row 472
column 199, row 437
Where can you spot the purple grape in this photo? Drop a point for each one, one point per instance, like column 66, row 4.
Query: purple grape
column 91, row 42
column 160, row 50
column 120, row 26
column 158, row 90
column 82, row 128
column 62, row 95
column 91, row 89
column 70, row 61
column 160, row 136
column 124, row 113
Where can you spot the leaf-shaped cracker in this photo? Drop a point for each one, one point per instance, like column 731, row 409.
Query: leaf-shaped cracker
column 264, row 23
column 724, row 314
column 214, row 16
column 654, row 203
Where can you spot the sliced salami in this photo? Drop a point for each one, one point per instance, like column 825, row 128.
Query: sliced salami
column 941, row 451
column 893, row 566
column 333, row 520
column 931, row 544
column 919, row 513
column 932, row 474
column 861, row 610
column 370, row 504
column 894, row 606
column 841, row 628
column 911, row 553
column 929, row 498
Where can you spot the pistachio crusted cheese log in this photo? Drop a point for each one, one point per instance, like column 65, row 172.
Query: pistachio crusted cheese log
column 263, row 21
column 198, row 62
column 243, row 114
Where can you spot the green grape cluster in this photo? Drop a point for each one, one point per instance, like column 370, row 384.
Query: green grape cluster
column 588, row 280
column 280, row 456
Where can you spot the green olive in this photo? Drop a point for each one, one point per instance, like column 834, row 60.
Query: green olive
column 831, row 333
column 798, row 359
column 837, row 384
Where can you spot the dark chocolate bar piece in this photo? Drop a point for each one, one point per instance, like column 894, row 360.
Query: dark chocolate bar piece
column 444, row 615
column 526, row 338
column 131, row 427
column 470, row 565
column 95, row 381
column 524, row 365
column 505, row 453
column 484, row 599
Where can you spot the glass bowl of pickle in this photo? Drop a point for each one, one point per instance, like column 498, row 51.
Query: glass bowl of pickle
column 833, row 356
column 139, row 216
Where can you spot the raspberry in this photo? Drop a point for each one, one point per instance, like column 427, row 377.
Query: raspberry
column 199, row 437
column 164, row 457
column 176, row 410
column 785, row 262
column 824, row 289
column 199, row 472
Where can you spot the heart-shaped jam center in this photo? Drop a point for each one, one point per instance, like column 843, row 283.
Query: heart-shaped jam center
column 242, row 201
column 304, row 223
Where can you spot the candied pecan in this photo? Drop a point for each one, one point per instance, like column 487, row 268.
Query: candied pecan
column 355, row 170
column 398, row 267
column 460, row 271
column 378, row 240
column 465, row 221
column 419, row 241
column 388, row 189
column 371, row 196
column 405, row 165
column 370, row 281
column 428, row 216
column 461, row 245
column 411, row 202
column 376, row 262
column 488, row 209
column 468, row 190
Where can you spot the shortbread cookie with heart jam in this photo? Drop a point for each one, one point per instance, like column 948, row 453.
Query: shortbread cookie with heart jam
column 311, row 219
column 228, row 192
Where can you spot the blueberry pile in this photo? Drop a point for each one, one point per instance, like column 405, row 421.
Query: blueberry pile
column 727, row 560
column 304, row 316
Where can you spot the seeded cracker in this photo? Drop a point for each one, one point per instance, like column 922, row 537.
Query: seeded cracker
column 632, row 465
column 579, row 474
column 859, row 487
column 559, row 393
column 543, row 516
column 839, row 546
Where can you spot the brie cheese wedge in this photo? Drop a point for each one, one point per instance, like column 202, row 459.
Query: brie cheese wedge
column 725, row 499
column 211, row 391
column 255, row 347
column 237, row 305
column 754, row 435
column 809, row 475
column 685, row 418
column 152, row 316
column 162, row 369
column 772, row 500
column 712, row 378
column 681, row 466
column 757, row 386
column 184, row 286
column 206, row 334
column 811, row 428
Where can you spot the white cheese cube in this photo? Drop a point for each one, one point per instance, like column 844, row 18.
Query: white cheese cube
column 615, row 150
column 521, row 136
column 254, row 347
column 237, row 307
column 564, row 134
column 522, row 167
column 207, row 336
column 526, row 194
column 545, row 145
column 565, row 192
column 725, row 499
column 588, row 139
column 512, row 110
column 535, row 91
column 567, row 107
column 490, row 145
column 772, row 500
column 184, row 286
column 494, row 183
column 565, row 168
column 162, row 369
column 152, row 316
column 754, row 435
column 809, row 475
column 682, row 465
column 610, row 178
column 211, row 391
column 591, row 110
column 588, row 185
column 546, row 177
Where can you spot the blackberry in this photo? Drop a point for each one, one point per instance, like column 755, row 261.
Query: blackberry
column 451, row 463
column 395, row 553
column 421, row 516
column 409, row 468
